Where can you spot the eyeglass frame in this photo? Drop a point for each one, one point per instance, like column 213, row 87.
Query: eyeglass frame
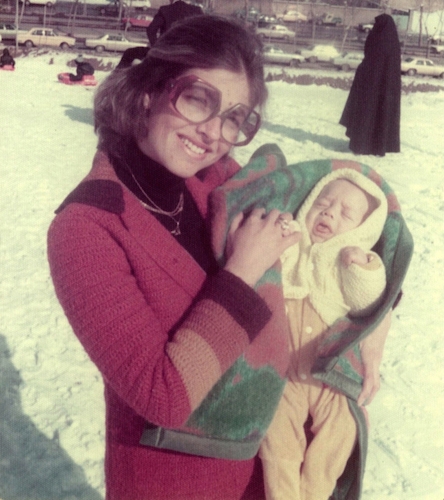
column 175, row 90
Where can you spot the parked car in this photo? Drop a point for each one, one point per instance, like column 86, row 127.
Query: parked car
column 277, row 55
column 48, row 3
column 421, row 66
column 276, row 31
column 365, row 27
column 437, row 45
column 140, row 21
column 137, row 4
column 266, row 21
column 111, row 10
column 8, row 31
column 6, row 8
column 326, row 20
column 111, row 41
column 251, row 16
column 36, row 37
column 320, row 53
column 348, row 60
column 293, row 16
column 65, row 9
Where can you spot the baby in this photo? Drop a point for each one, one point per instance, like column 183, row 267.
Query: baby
column 330, row 273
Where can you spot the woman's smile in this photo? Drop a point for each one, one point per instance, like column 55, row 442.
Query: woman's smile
column 185, row 148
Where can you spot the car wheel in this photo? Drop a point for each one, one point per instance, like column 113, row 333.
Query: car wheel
column 411, row 72
column 29, row 44
column 64, row 46
column 345, row 67
column 49, row 4
column 312, row 59
column 100, row 48
column 294, row 63
column 285, row 38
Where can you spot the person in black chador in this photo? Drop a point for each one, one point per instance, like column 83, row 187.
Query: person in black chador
column 83, row 68
column 164, row 18
column 372, row 112
column 167, row 15
column 6, row 59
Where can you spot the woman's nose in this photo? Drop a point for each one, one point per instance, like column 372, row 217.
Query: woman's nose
column 211, row 128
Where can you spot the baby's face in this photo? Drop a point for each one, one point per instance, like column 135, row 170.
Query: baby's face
column 340, row 207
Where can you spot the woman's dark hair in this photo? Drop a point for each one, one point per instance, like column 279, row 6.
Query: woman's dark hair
column 197, row 42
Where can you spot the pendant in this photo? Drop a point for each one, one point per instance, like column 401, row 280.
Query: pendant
column 176, row 230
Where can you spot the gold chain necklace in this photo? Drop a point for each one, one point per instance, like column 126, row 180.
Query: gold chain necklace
column 175, row 215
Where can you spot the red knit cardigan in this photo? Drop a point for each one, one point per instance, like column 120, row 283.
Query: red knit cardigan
column 161, row 338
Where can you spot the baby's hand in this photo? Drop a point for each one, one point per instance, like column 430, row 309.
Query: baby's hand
column 353, row 255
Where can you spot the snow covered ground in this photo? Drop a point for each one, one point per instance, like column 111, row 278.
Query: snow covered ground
column 51, row 404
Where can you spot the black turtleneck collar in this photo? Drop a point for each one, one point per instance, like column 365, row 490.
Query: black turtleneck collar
column 164, row 188
column 161, row 185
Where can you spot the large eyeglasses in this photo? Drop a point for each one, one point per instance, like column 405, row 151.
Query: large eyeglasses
column 198, row 102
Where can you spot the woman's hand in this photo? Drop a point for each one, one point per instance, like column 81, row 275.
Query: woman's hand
column 255, row 243
column 372, row 348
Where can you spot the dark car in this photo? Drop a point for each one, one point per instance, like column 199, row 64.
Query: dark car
column 64, row 9
column 266, row 21
column 251, row 16
column 326, row 20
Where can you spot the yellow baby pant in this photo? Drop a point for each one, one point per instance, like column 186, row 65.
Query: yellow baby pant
column 294, row 469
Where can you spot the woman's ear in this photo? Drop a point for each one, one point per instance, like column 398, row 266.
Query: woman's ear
column 146, row 102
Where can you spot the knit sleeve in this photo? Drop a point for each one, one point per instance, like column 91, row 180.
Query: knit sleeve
column 162, row 374
column 363, row 286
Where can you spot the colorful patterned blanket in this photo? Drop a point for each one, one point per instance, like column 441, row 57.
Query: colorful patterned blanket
column 267, row 181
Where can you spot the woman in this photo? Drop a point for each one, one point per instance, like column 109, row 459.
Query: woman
column 372, row 112
column 133, row 268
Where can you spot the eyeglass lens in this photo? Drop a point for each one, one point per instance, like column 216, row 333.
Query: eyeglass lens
column 199, row 103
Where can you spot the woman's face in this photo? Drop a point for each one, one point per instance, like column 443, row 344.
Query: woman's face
column 185, row 148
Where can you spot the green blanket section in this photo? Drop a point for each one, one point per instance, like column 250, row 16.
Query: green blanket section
column 268, row 182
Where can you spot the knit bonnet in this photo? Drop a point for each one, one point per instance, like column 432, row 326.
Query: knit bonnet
column 311, row 269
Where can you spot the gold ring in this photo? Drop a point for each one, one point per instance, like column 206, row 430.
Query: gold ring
column 284, row 223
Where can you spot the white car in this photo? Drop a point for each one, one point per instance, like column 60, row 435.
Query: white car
column 348, row 60
column 420, row 66
column 365, row 27
column 8, row 31
column 113, row 41
column 36, row 37
column 137, row 4
column 277, row 55
column 276, row 31
column 320, row 53
column 293, row 16
column 48, row 3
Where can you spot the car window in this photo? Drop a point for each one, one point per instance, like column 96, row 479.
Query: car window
column 419, row 63
column 429, row 63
